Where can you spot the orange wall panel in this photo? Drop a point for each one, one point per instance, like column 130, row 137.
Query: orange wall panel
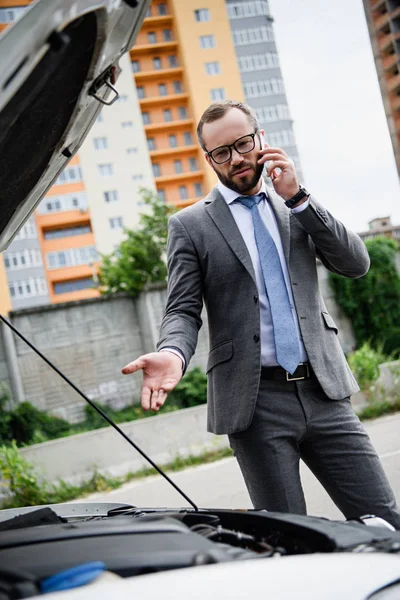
column 74, row 241
column 66, row 188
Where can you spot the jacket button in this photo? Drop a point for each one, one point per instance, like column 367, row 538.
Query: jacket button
column 255, row 298
column 256, row 338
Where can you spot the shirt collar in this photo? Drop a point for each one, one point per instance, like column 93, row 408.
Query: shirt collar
column 230, row 195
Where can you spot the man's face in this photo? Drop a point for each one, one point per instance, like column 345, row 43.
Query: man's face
column 241, row 173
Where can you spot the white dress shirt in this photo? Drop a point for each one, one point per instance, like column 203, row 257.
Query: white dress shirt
column 244, row 221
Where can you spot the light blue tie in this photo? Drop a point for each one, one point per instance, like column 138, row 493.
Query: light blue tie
column 287, row 345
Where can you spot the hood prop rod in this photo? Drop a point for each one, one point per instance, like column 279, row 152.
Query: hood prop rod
column 103, row 414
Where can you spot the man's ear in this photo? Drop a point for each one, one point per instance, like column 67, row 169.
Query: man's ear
column 208, row 159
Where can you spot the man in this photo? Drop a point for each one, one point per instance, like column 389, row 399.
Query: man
column 278, row 381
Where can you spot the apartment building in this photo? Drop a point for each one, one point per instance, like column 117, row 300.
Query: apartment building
column 253, row 37
column 56, row 255
column 188, row 54
column 383, row 20
column 381, row 226
column 183, row 59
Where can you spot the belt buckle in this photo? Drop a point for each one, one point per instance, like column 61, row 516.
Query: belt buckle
column 289, row 378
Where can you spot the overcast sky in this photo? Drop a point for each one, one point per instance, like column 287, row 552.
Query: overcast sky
column 335, row 101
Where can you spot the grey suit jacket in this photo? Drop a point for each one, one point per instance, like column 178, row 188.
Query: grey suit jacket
column 209, row 261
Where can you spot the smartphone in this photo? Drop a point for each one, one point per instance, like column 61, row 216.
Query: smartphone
column 267, row 164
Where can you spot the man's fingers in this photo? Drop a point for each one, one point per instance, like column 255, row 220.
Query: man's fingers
column 134, row 366
column 146, row 398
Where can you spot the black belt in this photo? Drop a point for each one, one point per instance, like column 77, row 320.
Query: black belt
column 303, row 371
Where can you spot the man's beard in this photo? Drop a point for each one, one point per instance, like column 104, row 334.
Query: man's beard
column 245, row 185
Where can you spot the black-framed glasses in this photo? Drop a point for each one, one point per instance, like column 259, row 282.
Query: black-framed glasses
column 242, row 145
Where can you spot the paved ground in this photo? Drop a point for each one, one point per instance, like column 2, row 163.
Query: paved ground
column 220, row 484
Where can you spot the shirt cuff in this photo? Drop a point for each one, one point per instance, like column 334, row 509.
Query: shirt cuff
column 177, row 353
column 302, row 207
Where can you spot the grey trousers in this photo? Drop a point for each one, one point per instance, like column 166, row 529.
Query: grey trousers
column 297, row 420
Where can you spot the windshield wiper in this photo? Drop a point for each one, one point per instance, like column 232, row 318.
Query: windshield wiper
column 103, row 414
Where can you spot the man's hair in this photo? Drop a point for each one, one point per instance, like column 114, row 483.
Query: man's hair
column 219, row 109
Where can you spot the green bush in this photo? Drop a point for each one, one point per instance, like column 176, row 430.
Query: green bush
column 365, row 362
column 27, row 422
column 372, row 302
column 391, row 345
column 191, row 390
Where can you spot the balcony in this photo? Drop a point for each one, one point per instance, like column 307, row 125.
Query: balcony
column 157, row 20
column 150, row 48
column 393, row 84
column 378, row 5
column 385, row 42
column 178, row 176
column 173, row 151
column 169, row 98
column 157, row 73
column 389, row 62
column 163, row 125
column 381, row 22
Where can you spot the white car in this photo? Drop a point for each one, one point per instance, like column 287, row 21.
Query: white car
column 58, row 67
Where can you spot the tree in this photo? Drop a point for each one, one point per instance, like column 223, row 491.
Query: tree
column 372, row 302
column 140, row 258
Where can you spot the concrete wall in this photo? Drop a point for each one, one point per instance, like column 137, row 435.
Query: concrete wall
column 91, row 340
column 162, row 437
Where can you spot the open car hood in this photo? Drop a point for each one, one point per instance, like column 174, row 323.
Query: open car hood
column 58, row 62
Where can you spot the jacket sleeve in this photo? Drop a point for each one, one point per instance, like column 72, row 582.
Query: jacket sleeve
column 340, row 250
column 182, row 318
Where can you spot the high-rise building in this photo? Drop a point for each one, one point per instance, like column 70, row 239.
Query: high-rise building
column 258, row 63
column 55, row 256
column 187, row 55
column 383, row 20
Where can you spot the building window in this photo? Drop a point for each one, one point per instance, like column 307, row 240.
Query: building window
column 22, row 259
column 72, row 257
column 28, row 231
column 135, row 65
column 162, row 89
column 161, row 195
column 217, row 94
column 258, row 62
column 172, row 141
column 123, row 98
column 8, row 15
column 137, row 177
column 202, row 14
column 73, row 285
column 151, row 37
column 207, row 41
column 182, row 112
column 132, row 150
column 156, row 170
column 243, row 37
column 183, row 194
column 212, row 68
column 266, row 87
column 193, row 166
column 151, row 143
column 172, row 61
column 162, row 9
column 178, row 166
column 100, row 143
column 167, row 114
column 270, row 114
column 146, row 118
column 106, row 169
column 198, row 190
column 34, row 286
column 55, row 234
column 140, row 92
column 253, row 8
column 116, row 223
column 284, row 137
column 157, row 63
column 70, row 174
column 111, row 196
column 126, row 124
column 177, row 87
column 148, row 12
column 167, row 35
column 188, row 138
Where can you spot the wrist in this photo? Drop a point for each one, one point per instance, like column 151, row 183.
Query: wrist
column 299, row 198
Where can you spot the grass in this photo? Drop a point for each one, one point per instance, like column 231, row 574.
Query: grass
column 61, row 491
column 379, row 409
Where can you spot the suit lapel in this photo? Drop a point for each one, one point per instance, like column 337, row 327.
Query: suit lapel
column 282, row 215
column 221, row 215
